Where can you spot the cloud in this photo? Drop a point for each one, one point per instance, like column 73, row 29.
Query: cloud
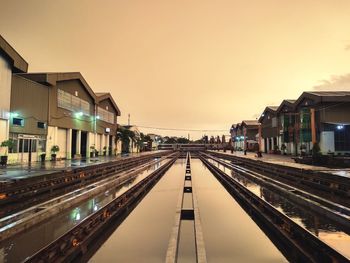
column 347, row 47
column 335, row 83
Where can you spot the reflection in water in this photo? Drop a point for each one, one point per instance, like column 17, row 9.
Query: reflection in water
column 319, row 226
column 21, row 246
column 144, row 234
column 230, row 235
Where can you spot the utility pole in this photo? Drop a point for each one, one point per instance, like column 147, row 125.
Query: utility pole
column 129, row 119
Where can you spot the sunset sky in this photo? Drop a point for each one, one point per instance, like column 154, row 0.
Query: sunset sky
column 196, row 65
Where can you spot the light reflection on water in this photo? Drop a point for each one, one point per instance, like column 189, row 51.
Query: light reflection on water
column 230, row 235
column 326, row 231
column 21, row 246
column 144, row 235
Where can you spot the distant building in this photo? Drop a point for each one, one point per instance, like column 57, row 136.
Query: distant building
column 321, row 117
column 269, row 129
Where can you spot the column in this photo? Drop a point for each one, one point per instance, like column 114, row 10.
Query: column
column 107, row 144
column 259, row 142
column 113, row 145
column 78, row 141
column 313, row 126
column 69, row 144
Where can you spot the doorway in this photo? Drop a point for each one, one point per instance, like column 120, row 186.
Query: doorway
column 74, row 142
column 83, row 144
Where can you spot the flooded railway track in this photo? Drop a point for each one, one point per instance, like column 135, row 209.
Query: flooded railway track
column 21, row 194
column 75, row 243
column 333, row 187
column 296, row 242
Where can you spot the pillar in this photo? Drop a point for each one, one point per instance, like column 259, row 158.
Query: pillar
column 78, row 141
column 107, row 144
column 259, row 142
column 69, row 144
column 313, row 126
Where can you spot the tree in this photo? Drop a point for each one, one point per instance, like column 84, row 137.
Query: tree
column 126, row 136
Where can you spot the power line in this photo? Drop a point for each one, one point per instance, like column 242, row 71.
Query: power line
column 179, row 129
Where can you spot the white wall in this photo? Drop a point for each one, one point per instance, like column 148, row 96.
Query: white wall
column 5, row 96
column 327, row 141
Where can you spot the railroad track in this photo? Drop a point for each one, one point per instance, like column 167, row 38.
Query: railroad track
column 75, row 243
column 32, row 216
column 330, row 186
column 295, row 242
column 336, row 213
column 18, row 195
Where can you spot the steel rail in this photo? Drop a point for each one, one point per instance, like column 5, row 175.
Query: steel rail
column 76, row 242
column 295, row 242
column 332, row 186
column 339, row 214
column 27, row 218
column 66, row 180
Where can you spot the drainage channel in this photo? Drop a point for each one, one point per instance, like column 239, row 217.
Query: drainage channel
column 186, row 243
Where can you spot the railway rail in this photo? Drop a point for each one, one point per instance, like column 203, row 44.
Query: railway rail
column 27, row 218
column 330, row 186
column 18, row 195
column 76, row 242
column 338, row 214
column 295, row 242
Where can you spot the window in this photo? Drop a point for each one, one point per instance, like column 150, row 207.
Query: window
column 18, row 122
column 105, row 115
column 41, row 125
column 70, row 102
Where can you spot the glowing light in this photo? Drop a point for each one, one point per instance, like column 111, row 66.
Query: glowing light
column 97, row 117
column 340, row 127
column 79, row 114
column 14, row 114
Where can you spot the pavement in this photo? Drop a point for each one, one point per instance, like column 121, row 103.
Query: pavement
column 286, row 160
column 23, row 171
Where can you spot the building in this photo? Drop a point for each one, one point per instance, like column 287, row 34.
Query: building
column 323, row 118
column 78, row 120
column 287, row 123
column 316, row 117
column 269, row 129
column 10, row 62
column 106, row 123
column 42, row 110
column 28, row 120
column 250, row 131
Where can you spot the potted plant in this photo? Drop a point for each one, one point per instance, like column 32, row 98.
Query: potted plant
column 43, row 157
column 92, row 151
column 104, row 150
column 54, row 150
column 8, row 144
column 303, row 150
column 284, row 148
column 276, row 149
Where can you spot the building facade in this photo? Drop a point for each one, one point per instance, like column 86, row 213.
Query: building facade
column 42, row 110
column 10, row 62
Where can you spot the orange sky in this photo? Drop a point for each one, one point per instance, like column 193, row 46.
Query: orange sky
column 183, row 63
